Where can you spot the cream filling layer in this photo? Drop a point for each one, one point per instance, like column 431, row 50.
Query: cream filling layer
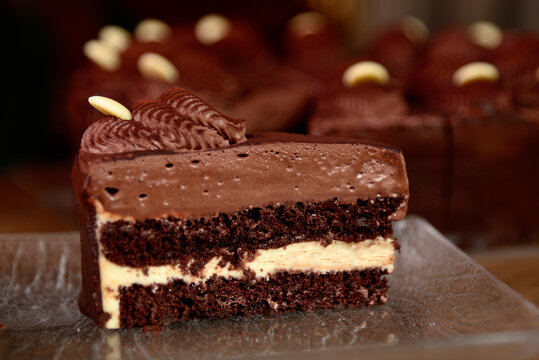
column 309, row 256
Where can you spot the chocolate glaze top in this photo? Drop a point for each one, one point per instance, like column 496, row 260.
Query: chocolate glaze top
column 178, row 120
column 267, row 169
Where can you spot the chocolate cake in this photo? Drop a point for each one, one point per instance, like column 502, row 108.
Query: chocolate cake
column 183, row 216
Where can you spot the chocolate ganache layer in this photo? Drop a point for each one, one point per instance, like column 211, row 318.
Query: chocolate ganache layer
column 267, row 169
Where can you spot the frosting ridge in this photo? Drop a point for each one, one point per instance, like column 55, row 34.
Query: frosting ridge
column 112, row 135
column 196, row 109
column 176, row 131
column 177, row 121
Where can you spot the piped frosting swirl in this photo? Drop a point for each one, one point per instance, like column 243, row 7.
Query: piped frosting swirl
column 176, row 131
column 177, row 121
column 111, row 135
column 197, row 110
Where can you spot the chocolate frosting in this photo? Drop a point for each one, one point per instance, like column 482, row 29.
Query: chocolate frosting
column 112, row 135
column 187, row 123
column 267, row 169
column 176, row 131
column 194, row 108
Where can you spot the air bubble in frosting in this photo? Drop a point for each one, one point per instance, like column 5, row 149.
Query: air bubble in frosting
column 112, row 190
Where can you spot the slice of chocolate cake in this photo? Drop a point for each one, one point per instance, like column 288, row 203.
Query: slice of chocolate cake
column 184, row 217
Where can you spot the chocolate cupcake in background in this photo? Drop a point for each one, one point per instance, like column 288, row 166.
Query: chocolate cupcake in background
column 332, row 78
column 399, row 46
column 446, row 52
column 312, row 43
column 366, row 106
column 473, row 93
column 357, row 99
column 492, row 152
column 464, row 43
column 509, row 50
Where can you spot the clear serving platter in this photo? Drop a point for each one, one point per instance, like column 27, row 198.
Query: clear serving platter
column 442, row 304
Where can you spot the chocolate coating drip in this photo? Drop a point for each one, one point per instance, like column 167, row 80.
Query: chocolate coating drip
column 194, row 108
column 176, row 131
column 111, row 135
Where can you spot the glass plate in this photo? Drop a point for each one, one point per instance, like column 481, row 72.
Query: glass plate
column 442, row 304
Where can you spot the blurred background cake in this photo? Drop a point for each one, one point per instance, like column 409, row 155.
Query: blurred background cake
column 470, row 137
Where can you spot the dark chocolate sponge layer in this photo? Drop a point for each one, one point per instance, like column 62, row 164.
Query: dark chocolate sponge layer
column 155, row 242
column 159, row 305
